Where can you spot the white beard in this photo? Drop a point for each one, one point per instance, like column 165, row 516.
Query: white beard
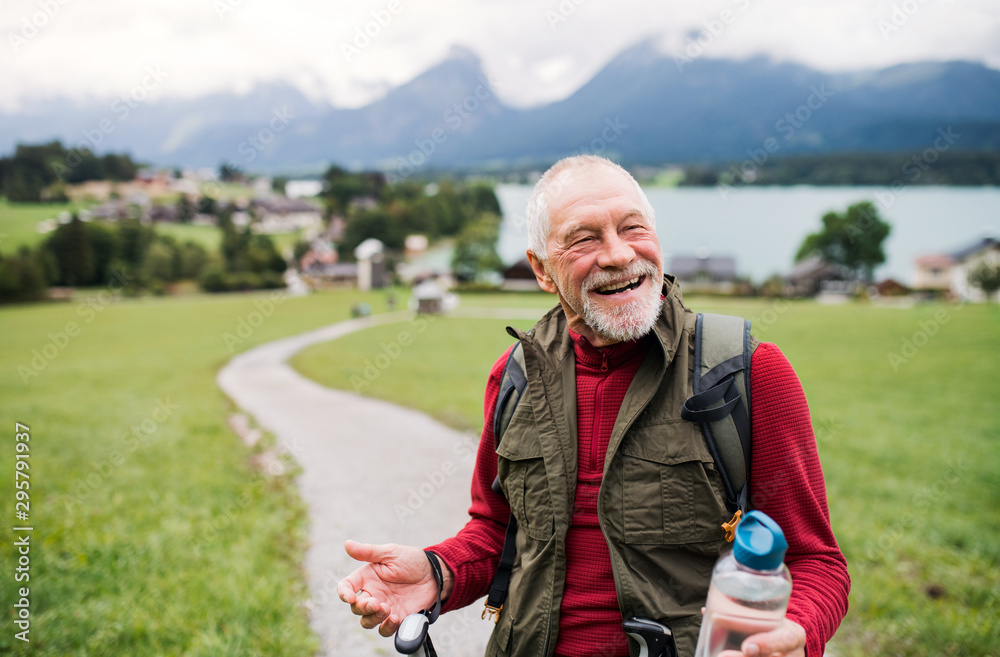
column 620, row 323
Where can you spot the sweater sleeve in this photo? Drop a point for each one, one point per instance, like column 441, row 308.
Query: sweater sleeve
column 787, row 484
column 474, row 553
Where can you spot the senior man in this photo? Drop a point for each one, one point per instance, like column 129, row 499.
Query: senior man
column 617, row 501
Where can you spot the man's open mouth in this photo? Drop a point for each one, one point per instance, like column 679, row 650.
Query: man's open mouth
column 624, row 286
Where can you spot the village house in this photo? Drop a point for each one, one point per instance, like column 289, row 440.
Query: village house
column 705, row 273
column 933, row 273
column 813, row 276
column 949, row 273
column 985, row 251
column 279, row 214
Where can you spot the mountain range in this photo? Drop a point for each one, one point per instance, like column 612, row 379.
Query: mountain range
column 644, row 107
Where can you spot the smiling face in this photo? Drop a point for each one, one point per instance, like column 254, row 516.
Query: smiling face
column 603, row 258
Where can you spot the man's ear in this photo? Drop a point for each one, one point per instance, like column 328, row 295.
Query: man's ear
column 544, row 280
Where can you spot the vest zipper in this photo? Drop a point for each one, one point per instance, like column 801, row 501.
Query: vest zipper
column 604, row 360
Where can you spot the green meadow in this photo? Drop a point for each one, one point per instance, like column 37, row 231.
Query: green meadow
column 905, row 411
column 19, row 221
column 154, row 534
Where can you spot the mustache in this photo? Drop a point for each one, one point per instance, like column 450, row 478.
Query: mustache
column 602, row 278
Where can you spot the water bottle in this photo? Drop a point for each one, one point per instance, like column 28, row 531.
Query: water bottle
column 749, row 590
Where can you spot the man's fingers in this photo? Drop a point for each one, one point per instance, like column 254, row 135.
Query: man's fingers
column 388, row 628
column 367, row 605
column 369, row 621
column 788, row 639
column 347, row 590
column 367, row 551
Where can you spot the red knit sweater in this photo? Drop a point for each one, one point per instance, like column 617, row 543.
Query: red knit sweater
column 786, row 483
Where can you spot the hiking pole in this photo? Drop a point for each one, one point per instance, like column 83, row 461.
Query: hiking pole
column 654, row 639
column 413, row 632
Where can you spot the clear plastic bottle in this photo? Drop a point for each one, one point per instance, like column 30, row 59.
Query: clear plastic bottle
column 749, row 590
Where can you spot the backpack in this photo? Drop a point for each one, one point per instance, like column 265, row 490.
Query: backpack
column 720, row 404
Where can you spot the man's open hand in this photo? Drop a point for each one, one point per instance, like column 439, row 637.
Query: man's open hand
column 395, row 582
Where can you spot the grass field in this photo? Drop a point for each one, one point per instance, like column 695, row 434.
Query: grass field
column 904, row 404
column 153, row 534
column 18, row 222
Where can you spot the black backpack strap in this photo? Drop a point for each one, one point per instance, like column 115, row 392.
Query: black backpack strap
column 723, row 347
column 512, row 385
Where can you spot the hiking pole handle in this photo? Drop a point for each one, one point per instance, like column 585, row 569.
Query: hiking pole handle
column 411, row 633
column 654, row 639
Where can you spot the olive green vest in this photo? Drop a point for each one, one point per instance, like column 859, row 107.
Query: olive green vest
column 661, row 501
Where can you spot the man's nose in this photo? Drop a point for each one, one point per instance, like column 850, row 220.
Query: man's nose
column 616, row 253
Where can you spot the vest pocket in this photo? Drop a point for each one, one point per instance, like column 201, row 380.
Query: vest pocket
column 672, row 493
column 527, row 489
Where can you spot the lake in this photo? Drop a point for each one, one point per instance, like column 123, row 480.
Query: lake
column 762, row 227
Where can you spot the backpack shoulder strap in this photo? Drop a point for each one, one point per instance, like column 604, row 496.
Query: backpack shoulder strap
column 512, row 385
column 723, row 348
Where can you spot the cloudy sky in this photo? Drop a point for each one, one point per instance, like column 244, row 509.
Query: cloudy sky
column 349, row 53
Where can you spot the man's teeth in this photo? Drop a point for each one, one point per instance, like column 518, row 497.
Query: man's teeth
column 618, row 286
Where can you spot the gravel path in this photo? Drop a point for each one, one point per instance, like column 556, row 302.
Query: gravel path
column 372, row 471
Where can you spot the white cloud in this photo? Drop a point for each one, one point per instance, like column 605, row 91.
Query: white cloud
column 97, row 49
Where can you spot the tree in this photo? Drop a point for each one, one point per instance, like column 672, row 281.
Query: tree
column 22, row 278
column 185, row 209
column 476, row 249
column 206, row 205
column 74, row 251
column 852, row 239
column 159, row 265
column 278, row 184
column 986, row 277
column 229, row 172
column 193, row 258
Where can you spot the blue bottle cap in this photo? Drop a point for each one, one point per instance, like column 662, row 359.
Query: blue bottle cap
column 760, row 544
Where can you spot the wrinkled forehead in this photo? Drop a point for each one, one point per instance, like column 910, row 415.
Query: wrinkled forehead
column 593, row 193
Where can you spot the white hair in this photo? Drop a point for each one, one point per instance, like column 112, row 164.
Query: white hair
column 553, row 182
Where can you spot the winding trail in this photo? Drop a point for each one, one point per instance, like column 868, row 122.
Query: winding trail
column 371, row 471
